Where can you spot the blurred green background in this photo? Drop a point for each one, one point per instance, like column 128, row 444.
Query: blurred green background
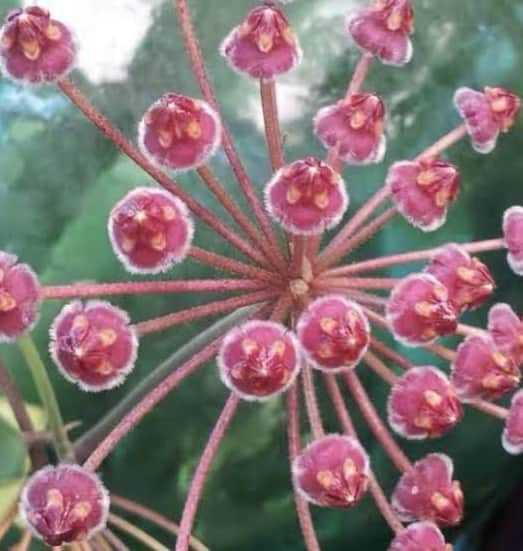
column 59, row 180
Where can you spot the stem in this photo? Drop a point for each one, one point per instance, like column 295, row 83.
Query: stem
column 7, row 521
column 45, row 390
column 380, row 368
column 356, row 283
column 448, row 140
column 389, row 353
column 311, row 402
column 200, row 476
column 469, row 330
column 368, row 298
column 101, row 543
column 360, row 74
column 272, row 125
column 490, row 409
column 114, row 540
column 136, row 533
column 24, row 542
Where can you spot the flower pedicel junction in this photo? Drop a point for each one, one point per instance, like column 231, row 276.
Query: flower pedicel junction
column 298, row 307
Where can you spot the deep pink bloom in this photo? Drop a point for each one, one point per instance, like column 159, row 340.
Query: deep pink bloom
column 150, row 230
column 264, row 45
column 64, row 504
column 427, row 492
column 179, row 132
column 35, row 48
column 334, row 333
column 486, row 114
column 383, row 30
column 423, row 404
column 423, row 190
column 420, row 536
column 93, row 344
column 419, row 311
column 481, row 370
column 353, row 127
column 513, row 234
column 506, row 329
column 468, row 281
column 306, row 197
column 19, row 298
column 259, row 359
column 513, row 433
column 332, row 471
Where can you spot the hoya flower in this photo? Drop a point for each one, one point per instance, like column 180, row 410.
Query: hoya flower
column 481, row 371
column 332, row 471
column 468, row 281
column 306, row 197
column 506, row 329
column 353, row 127
column 19, row 298
column 513, row 433
column 35, row 48
column 64, row 504
column 423, row 404
column 419, row 311
column 264, row 45
column 150, row 230
column 427, row 492
column 259, row 360
column 179, row 133
column 334, row 333
column 486, row 114
column 513, row 234
column 383, row 30
column 420, row 536
column 423, row 190
column 93, row 345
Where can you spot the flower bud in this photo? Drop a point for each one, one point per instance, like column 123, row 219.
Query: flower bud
column 506, row 330
column 513, row 433
column 420, row 536
column 513, row 234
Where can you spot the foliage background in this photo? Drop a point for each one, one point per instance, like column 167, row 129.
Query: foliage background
column 59, row 179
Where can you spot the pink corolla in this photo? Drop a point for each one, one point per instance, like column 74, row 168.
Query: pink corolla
column 513, row 434
column 513, row 235
column 420, row 536
column 506, row 329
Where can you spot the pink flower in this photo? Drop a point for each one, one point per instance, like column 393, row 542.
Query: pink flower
column 264, row 45
column 419, row 311
column 513, row 234
column 427, row 492
column 383, row 30
column 468, row 281
column 259, row 360
column 423, row 404
column 35, row 48
column 334, row 333
column 19, row 298
column 93, row 345
column 506, row 330
column 481, row 370
column 487, row 114
column 422, row 190
column 332, row 471
column 150, row 230
column 64, row 504
column 179, row 132
column 513, row 433
column 306, row 197
column 420, row 536
column 353, row 127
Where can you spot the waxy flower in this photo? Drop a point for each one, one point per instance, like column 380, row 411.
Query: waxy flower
column 306, row 197
column 486, row 114
column 150, row 230
column 93, row 345
column 420, row 536
column 427, row 492
column 179, row 132
column 513, row 433
column 419, row 311
column 383, row 30
column 353, row 128
column 264, row 45
column 35, row 48
column 332, row 471
column 423, row 190
column 19, row 298
column 259, row 359
column 506, row 330
column 513, row 234
column 423, row 404
column 64, row 504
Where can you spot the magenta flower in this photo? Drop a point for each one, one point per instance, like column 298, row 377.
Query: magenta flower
column 506, row 329
column 420, row 536
column 513, row 433
column 513, row 234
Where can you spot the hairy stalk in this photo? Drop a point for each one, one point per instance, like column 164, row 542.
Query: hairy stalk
column 7, row 521
column 272, row 125
column 380, row 368
column 325, row 283
column 114, row 540
column 136, row 533
column 101, row 543
column 368, row 298
column 311, row 402
column 469, row 330
column 25, row 541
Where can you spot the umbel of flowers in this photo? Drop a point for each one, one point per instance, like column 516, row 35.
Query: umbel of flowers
column 309, row 313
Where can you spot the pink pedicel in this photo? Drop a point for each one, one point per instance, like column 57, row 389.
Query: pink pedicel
column 513, row 235
column 259, row 360
column 179, row 133
column 423, row 190
column 64, row 504
column 420, row 536
column 513, row 433
column 264, row 45
column 383, row 30
column 150, row 230
column 506, row 329
column 35, row 48
column 93, row 345
column 486, row 114
column 354, row 128
column 423, row 404
column 427, row 492
column 419, row 311
column 19, row 298
column 332, row 471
